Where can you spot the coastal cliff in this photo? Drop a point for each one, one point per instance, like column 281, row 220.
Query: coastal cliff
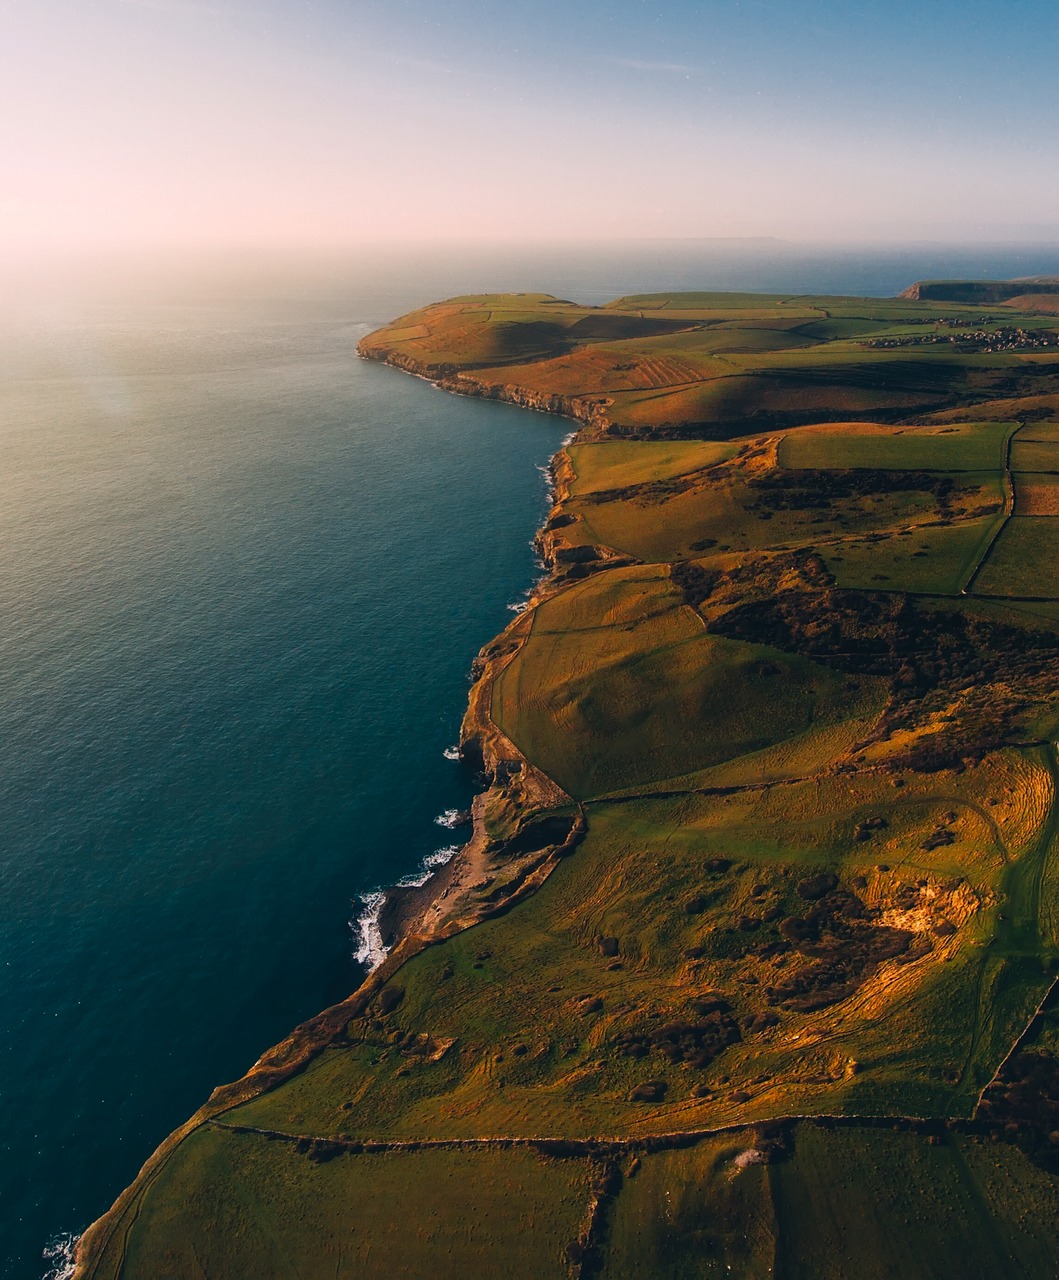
column 589, row 411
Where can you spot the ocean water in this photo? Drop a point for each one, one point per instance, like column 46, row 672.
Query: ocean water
column 242, row 579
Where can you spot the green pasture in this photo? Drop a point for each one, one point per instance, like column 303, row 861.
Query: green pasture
column 1024, row 561
column 934, row 559
column 620, row 705
column 965, row 446
column 1036, row 493
column 838, row 726
column 1031, row 452
column 717, row 1208
column 618, row 464
column 698, row 1212
column 239, row 1205
column 738, row 397
column 845, row 1203
column 875, row 1205
column 732, row 512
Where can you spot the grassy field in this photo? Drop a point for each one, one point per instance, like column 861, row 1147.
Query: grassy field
column 972, row 446
column 716, row 1210
column 950, row 1211
column 1025, row 560
column 535, row 1008
column 602, row 467
column 750, row 1204
column 439, row 1213
column 1033, row 452
column 602, row 705
column 793, row 674
column 932, row 559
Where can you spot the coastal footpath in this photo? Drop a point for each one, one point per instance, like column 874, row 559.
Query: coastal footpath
column 748, row 968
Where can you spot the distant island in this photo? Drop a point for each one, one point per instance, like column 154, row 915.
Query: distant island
column 749, row 968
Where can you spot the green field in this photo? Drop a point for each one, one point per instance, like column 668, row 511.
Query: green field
column 715, row 1210
column 739, row 974
column 932, row 560
column 599, row 467
column 1025, row 560
column 443, row 1213
column 977, row 446
column 602, row 706
column 1032, row 453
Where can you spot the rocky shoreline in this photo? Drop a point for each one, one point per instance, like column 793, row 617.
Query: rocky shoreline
column 483, row 878
column 587, row 411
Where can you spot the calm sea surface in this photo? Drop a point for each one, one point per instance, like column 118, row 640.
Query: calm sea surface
column 242, row 578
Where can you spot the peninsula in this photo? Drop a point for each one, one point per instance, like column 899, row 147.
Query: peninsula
column 748, row 969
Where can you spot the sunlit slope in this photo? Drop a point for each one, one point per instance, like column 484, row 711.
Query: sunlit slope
column 751, row 970
column 711, row 363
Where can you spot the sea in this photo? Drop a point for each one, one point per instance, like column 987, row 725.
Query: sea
column 243, row 575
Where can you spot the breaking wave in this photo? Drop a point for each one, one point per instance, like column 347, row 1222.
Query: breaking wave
column 430, row 864
column 370, row 949
column 58, row 1257
column 451, row 819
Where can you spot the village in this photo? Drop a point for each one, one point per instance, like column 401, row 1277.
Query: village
column 1004, row 338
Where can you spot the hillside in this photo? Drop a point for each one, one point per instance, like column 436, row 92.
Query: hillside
column 749, row 967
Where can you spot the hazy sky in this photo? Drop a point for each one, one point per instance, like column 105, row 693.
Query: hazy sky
column 324, row 121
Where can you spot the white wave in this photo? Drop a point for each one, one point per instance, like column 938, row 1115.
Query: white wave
column 371, row 950
column 429, row 865
column 451, row 753
column 451, row 819
column 518, row 606
column 549, row 485
column 58, row 1256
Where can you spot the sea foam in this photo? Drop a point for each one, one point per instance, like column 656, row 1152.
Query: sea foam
column 370, row 949
column 430, row 864
column 451, row 819
column 58, row 1257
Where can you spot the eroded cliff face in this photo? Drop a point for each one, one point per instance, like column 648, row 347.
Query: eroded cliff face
column 590, row 411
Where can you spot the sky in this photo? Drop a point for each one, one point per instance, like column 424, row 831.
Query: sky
column 151, row 123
